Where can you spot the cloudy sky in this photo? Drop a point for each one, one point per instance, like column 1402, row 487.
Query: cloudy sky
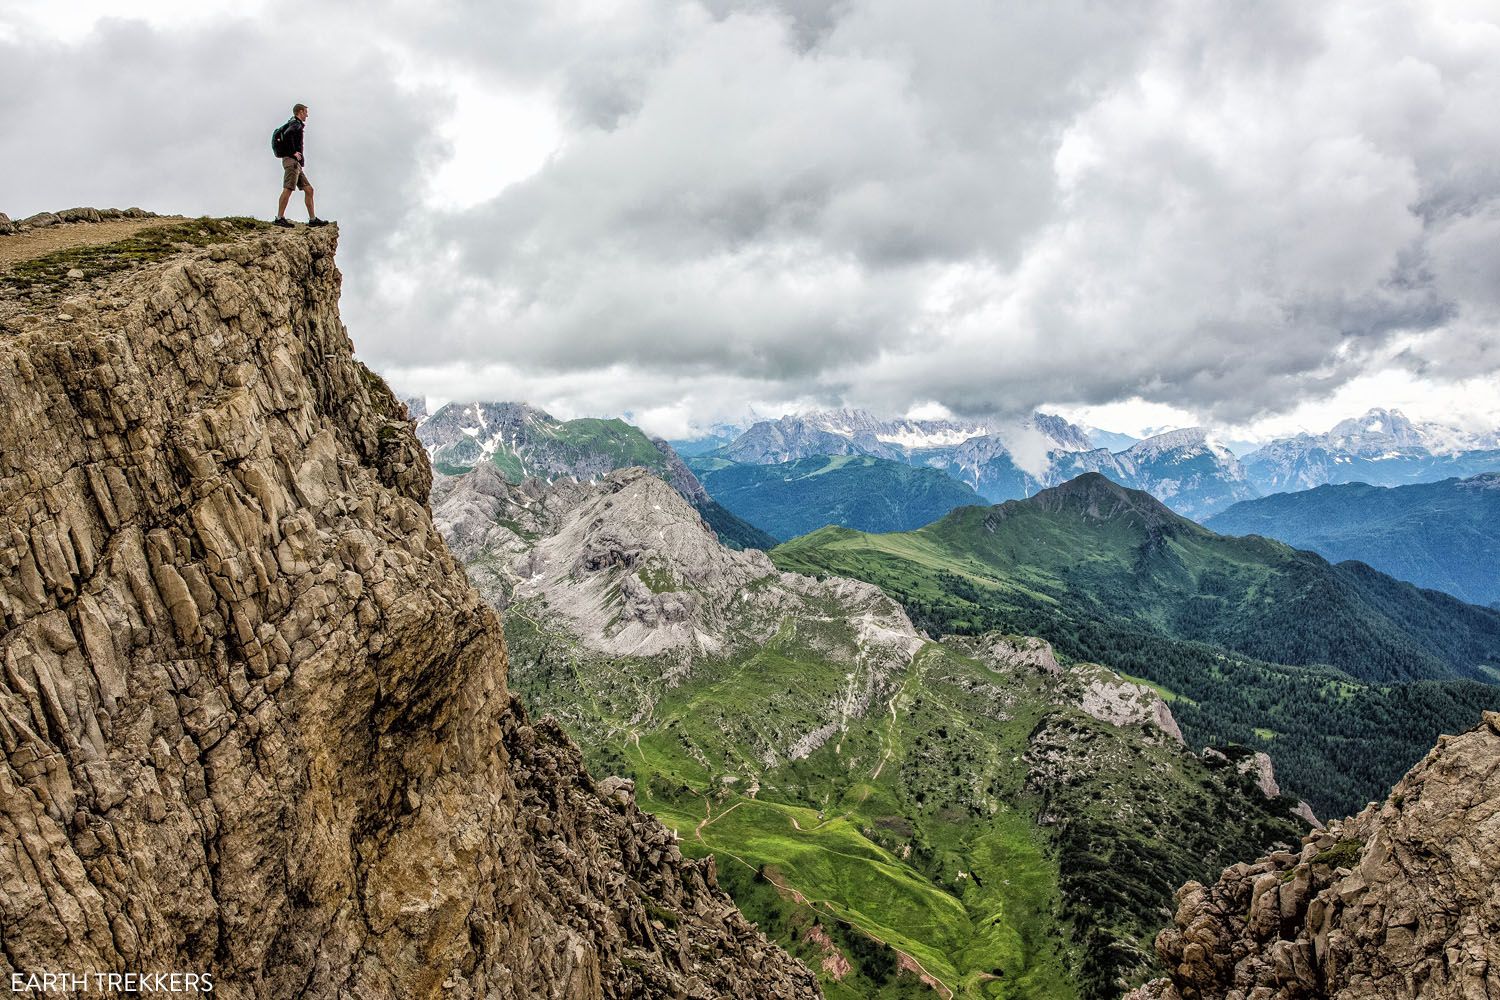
column 1259, row 214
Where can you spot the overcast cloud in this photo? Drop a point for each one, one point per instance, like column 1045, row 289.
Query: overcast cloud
column 684, row 210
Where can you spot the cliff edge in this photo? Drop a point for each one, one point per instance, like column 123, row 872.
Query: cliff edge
column 254, row 717
column 1401, row 901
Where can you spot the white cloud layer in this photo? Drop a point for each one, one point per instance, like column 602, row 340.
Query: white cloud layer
column 1238, row 213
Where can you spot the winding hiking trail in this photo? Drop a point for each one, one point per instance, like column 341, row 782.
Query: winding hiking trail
column 890, row 738
column 66, row 235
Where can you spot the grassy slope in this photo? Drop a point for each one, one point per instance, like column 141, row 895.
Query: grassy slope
column 611, row 444
column 1164, row 605
column 1252, row 595
column 914, row 826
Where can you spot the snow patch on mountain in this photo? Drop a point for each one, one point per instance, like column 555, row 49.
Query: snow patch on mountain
column 1188, row 439
column 913, row 437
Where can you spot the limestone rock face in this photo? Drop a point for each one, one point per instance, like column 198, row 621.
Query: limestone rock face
column 1401, row 901
column 254, row 718
column 633, row 568
column 1110, row 698
column 628, row 569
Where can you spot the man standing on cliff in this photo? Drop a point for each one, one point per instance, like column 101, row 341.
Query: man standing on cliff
column 287, row 144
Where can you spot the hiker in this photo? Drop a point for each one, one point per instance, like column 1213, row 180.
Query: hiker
column 286, row 142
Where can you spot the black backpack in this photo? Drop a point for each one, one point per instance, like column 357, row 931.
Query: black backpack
column 281, row 140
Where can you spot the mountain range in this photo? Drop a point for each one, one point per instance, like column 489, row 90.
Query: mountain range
column 1189, row 469
column 1001, row 461
column 1382, row 448
column 523, row 441
column 1443, row 535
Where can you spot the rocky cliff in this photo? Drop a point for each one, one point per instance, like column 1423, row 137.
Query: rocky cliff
column 1401, row 901
column 255, row 719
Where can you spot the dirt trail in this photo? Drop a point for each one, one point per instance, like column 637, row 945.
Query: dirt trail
column 38, row 242
column 710, row 817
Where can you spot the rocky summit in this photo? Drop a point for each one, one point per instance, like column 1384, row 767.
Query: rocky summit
column 1401, row 901
column 255, row 719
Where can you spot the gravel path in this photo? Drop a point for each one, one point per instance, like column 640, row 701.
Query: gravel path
column 26, row 246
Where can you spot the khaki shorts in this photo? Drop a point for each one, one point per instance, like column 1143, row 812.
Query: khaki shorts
column 292, row 175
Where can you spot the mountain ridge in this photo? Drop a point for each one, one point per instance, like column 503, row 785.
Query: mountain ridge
column 1382, row 447
column 1253, row 635
column 1444, row 536
column 1004, row 461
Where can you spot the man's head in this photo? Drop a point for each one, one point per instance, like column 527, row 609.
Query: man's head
column 299, row 112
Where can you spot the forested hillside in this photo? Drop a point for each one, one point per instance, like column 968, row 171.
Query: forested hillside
column 1444, row 535
column 1258, row 643
column 854, row 491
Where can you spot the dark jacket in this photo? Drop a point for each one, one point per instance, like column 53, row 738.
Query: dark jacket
column 292, row 137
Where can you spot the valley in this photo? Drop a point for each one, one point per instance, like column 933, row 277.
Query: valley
column 1009, row 822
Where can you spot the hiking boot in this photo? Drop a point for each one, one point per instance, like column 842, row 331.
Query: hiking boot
column 315, row 221
column 283, row 222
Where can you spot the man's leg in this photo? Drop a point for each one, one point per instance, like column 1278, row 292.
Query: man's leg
column 286, row 196
column 307, row 196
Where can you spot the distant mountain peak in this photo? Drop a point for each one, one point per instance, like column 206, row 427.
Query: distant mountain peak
column 1179, row 437
column 1100, row 498
column 1390, row 427
column 900, row 439
column 1184, row 439
column 1383, row 447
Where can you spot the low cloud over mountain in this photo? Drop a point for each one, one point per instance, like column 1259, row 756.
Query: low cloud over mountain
column 989, row 205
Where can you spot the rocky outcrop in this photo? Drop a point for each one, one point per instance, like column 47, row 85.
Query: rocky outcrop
column 679, row 476
column 1003, row 652
column 625, row 572
column 41, row 220
column 1111, row 698
column 1401, row 901
column 634, row 570
column 254, row 718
